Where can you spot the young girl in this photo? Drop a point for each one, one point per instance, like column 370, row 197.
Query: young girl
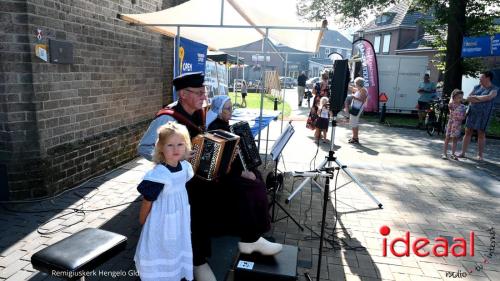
column 244, row 93
column 454, row 127
column 323, row 118
column 164, row 249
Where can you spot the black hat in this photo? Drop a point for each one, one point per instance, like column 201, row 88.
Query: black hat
column 189, row 79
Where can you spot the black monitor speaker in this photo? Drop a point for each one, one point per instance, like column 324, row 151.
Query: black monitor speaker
column 339, row 82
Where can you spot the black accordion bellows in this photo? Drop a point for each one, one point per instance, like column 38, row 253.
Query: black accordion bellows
column 248, row 151
column 214, row 153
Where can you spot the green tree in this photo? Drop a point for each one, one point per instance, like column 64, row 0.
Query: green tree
column 451, row 21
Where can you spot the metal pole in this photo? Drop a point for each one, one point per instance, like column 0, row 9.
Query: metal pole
column 237, row 76
column 222, row 12
column 177, row 45
column 360, row 185
column 225, row 26
column 284, row 92
column 326, row 195
column 264, row 50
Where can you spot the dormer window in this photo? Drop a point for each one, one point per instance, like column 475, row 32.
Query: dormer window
column 384, row 18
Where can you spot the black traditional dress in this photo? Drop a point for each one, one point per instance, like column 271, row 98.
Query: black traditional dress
column 245, row 201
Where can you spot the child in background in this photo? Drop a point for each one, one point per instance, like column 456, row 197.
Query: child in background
column 454, row 127
column 244, row 93
column 164, row 249
column 323, row 119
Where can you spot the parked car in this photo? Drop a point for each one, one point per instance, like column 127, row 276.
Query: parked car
column 254, row 84
column 310, row 82
column 287, row 82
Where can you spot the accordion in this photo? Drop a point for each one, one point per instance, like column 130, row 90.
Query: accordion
column 214, row 153
column 249, row 154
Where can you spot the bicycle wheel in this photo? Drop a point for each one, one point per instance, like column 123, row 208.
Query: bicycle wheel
column 431, row 129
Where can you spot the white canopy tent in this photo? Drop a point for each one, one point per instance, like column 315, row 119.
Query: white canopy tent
column 223, row 24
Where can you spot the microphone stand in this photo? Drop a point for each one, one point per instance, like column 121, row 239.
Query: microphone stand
column 326, row 163
column 326, row 197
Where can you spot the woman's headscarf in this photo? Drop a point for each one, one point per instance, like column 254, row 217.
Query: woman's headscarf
column 216, row 108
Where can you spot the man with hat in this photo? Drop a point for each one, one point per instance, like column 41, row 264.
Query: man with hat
column 202, row 195
column 192, row 95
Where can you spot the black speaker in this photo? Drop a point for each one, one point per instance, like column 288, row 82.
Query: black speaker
column 339, row 81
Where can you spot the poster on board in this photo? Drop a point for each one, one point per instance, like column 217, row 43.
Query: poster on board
column 216, row 79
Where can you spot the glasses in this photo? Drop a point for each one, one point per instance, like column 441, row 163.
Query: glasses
column 228, row 108
column 197, row 93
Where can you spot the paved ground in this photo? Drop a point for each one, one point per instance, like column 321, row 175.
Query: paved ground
column 401, row 168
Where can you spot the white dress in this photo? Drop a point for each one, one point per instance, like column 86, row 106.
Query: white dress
column 164, row 249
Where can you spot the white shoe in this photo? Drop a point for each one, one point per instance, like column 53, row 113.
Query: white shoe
column 261, row 246
column 204, row 273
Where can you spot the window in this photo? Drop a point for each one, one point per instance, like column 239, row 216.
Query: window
column 387, row 43
column 327, row 51
column 259, row 58
column 384, row 18
column 376, row 44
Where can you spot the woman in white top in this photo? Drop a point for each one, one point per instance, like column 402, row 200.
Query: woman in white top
column 359, row 97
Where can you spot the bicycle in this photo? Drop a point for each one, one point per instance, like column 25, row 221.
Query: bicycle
column 436, row 117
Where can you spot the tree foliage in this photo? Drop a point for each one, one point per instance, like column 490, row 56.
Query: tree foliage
column 478, row 21
column 478, row 15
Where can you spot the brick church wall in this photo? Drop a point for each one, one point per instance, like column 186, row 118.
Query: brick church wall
column 61, row 124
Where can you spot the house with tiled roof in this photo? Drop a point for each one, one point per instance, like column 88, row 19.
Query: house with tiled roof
column 281, row 57
column 397, row 31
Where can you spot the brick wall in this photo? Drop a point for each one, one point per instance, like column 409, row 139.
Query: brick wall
column 63, row 123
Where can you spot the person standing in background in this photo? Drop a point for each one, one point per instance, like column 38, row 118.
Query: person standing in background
column 301, row 86
column 244, row 93
column 481, row 99
column 427, row 92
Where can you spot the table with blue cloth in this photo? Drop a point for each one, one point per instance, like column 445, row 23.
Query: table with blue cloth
column 252, row 117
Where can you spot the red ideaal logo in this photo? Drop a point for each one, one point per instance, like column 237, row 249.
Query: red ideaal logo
column 457, row 249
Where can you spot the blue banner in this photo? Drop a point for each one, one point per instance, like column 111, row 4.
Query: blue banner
column 495, row 45
column 476, row 47
column 192, row 56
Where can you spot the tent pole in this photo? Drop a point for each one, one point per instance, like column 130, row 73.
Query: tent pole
column 177, row 45
column 264, row 65
column 284, row 92
column 228, row 77
column 237, row 76
column 222, row 12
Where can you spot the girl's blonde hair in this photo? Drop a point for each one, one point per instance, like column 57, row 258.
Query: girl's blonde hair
column 322, row 102
column 165, row 132
column 325, row 75
column 454, row 93
column 360, row 82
